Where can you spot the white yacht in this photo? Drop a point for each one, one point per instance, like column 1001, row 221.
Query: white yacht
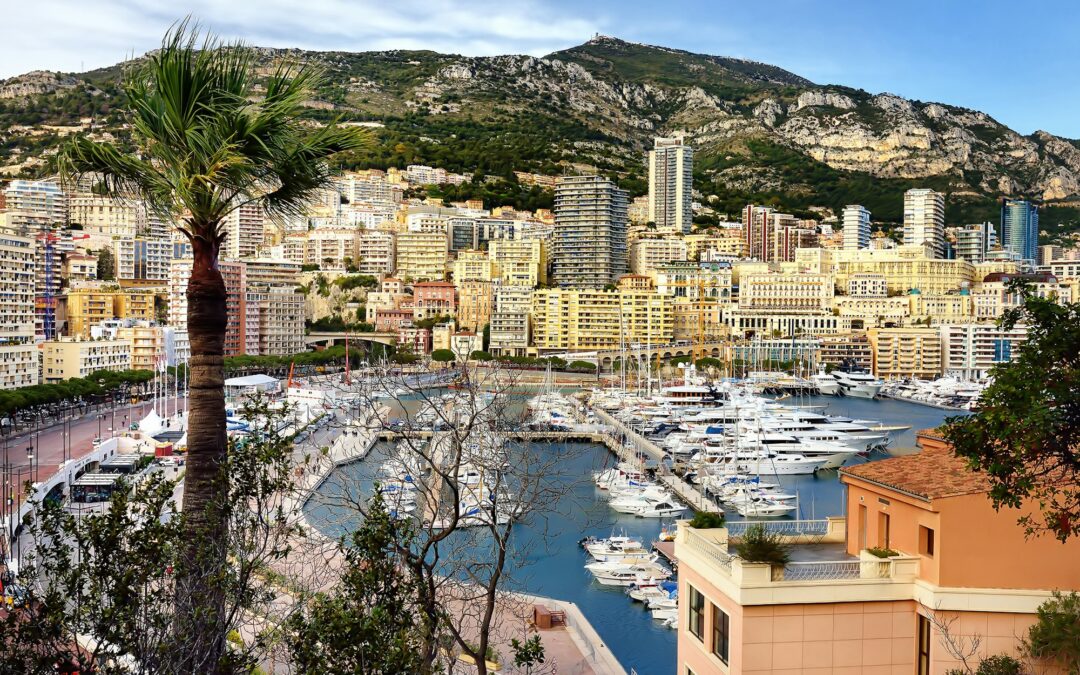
column 857, row 382
column 826, row 383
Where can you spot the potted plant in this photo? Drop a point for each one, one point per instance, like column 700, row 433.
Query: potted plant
column 758, row 545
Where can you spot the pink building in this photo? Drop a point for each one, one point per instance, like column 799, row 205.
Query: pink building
column 433, row 298
column 954, row 570
column 390, row 320
column 416, row 340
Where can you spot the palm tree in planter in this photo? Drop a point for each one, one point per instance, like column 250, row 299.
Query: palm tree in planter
column 209, row 140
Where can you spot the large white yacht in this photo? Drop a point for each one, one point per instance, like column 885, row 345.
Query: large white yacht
column 857, row 382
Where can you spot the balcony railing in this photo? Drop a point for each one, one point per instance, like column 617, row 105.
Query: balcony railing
column 709, row 549
column 785, row 527
column 829, row 569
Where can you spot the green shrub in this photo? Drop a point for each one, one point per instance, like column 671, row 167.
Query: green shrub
column 442, row 355
column 882, row 552
column 480, row 356
column 759, row 545
column 999, row 665
column 706, row 520
column 1056, row 635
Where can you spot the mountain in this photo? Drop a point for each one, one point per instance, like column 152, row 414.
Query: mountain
column 760, row 132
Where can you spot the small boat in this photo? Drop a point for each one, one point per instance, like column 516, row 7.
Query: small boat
column 665, row 613
column 625, row 578
column 662, row 509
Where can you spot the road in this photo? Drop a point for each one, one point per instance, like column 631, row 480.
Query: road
column 52, row 446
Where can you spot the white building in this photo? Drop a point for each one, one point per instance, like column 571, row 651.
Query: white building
column 856, row 227
column 971, row 350
column 244, row 232
column 375, row 252
column 671, row 166
column 924, row 220
column 18, row 353
column 647, row 255
column 511, row 321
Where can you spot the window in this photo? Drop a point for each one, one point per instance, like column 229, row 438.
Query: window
column 721, row 625
column 697, row 614
column 923, row 665
column 926, row 541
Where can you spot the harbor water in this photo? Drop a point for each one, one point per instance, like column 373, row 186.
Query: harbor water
column 550, row 540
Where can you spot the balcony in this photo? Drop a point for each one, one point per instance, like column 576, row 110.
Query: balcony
column 820, row 569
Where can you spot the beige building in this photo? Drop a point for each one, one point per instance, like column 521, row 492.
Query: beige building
column 904, row 268
column 375, row 252
column 520, row 262
column 724, row 241
column 474, row 266
column 940, row 308
column 511, row 321
column 244, row 232
column 421, row 256
column 80, row 267
column 18, row 353
column 867, row 285
column 693, row 280
column 785, row 292
column 147, row 345
column 906, row 352
column 475, row 300
column 332, row 248
column 280, row 316
column 88, row 306
column 646, row 255
column 874, row 311
column 65, row 359
column 105, row 218
column 585, row 320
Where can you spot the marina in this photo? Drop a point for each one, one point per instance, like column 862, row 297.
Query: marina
column 594, row 441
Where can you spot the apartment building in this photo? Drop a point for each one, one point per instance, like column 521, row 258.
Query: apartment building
column 66, row 358
column 34, row 206
column 906, row 353
column 79, row 267
column 105, row 218
column 874, row 311
column 280, row 320
column 867, row 286
column 992, row 297
column 243, row 232
column 18, row 353
column 421, row 256
column 853, row 348
column 511, row 321
column 414, row 339
column 940, row 308
column 585, row 320
column 974, row 241
column 971, row 350
column 590, row 232
column 924, row 220
column 856, row 227
column 147, row 345
column 88, row 306
column 473, row 265
column 671, row 178
column 727, row 241
column 145, row 261
column 1020, row 229
column 434, row 298
column 835, row 607
column 520, row 262
column 475, row 302
column 375, row 253
column 758, row 231
column 332, row 248
column 646, row 255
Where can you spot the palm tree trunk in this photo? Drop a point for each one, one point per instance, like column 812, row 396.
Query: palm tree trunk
column 200, row 596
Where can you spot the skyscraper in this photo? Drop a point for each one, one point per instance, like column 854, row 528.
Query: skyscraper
column 924, row 220
column 757, row 230
column 974, row 241
column 590, row 232
column 856, row 227
column 671, row 166
column 1020, row 228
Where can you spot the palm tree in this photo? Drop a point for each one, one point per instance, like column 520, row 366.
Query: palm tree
column 208, row 141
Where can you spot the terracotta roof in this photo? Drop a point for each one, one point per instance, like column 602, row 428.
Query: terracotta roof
column 932, row 473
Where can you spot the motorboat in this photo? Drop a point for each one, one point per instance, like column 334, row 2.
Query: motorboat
column 662, row 509
column 614, row 548
column 825, row 383
column 857, row 382
column 626, row 577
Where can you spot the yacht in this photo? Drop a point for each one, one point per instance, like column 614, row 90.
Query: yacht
column 826, row 383
column 662, row 509
column 857, row 382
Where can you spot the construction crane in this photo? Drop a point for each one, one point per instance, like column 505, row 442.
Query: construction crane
column 48, row 299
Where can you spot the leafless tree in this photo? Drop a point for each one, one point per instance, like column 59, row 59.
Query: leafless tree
column 472, row 477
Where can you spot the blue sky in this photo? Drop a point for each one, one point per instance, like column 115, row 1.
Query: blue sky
column 1020, row 63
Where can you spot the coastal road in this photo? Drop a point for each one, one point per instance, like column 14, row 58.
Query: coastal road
column 52, row 444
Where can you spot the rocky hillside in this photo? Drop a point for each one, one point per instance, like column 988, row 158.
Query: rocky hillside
column 762, row 133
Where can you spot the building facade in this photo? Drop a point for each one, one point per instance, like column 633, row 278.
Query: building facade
column 65, row 359
column 18, row 353
column 924, row 220
column 590, row 232
column 671, row 174
column 856, row 224
column 1020, row 229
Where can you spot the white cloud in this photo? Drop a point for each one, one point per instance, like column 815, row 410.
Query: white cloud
column 75, row 35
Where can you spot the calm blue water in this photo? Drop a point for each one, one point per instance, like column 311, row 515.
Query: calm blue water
column 554, row 560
